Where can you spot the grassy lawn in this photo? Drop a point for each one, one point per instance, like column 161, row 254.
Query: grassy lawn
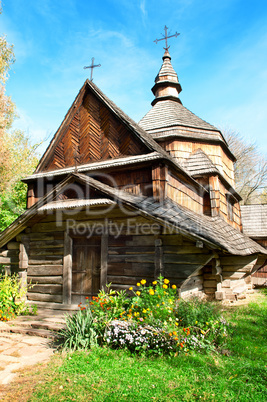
column 240, row 374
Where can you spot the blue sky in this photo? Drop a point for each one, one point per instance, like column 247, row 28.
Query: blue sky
column 220, row 58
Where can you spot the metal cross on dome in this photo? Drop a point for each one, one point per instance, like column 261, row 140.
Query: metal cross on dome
column 92, row 67
column 166, row 37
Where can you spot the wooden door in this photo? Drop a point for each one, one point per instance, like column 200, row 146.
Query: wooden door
column 86, row 263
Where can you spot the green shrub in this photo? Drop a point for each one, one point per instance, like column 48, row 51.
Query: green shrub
column 79, row 332
column 11, row 296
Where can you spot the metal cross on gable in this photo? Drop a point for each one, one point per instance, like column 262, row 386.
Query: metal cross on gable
column 92, row 67
column 166, row 37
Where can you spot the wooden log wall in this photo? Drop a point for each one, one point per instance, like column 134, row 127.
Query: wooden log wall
column 236, row 274
column 45, row 266
column 9, row 257
column 132, row 258
column 135, row 181
column 182, row 149
column 184, row 194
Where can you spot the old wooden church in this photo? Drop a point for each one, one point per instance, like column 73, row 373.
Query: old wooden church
column 113, row 201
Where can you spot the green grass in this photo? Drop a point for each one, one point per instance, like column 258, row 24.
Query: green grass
column 106, row 375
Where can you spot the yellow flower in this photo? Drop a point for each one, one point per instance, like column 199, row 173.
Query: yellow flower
column 138, row 284
column 151, row 292
column 174, row 286
column 138, row 293
column 157, row 305
column 143, row 281
column 207, row 323
column 196, row 322
column 174, row 333
column 131, row 288
column 166, row 281
column 165, row 286
column 154, row 283
column 202, row 332
column 176, row 324
column 144, row 311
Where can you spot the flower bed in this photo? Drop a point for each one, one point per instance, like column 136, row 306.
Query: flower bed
column 154, row 320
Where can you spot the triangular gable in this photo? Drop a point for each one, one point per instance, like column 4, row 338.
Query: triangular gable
column 94, row 129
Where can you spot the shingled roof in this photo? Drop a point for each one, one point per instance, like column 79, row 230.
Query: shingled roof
column 213, row 231
column 254, row 219
column 199, row 164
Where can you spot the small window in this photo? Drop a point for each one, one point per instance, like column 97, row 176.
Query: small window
column 206, row 204
column 230, row 206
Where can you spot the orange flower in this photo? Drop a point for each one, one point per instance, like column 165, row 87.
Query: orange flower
column 131, row 288
column 151, row 292
column 138, row 293
column 154, row 283
column 174, row 286
column 143, row 281
column 138, row 284
column 165, row 286
column 181, row 344
column 166, row 281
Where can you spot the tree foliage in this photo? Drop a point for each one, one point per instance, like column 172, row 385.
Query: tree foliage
column 250, row 169
column 17, row 156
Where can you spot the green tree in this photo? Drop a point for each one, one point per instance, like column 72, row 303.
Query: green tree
column 18, row 157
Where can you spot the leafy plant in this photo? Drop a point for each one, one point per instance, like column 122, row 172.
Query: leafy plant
column 11, row 296
column 79, row 332
column 107, row 306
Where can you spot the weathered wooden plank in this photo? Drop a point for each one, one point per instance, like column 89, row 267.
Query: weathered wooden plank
column 67, row 269
column 104, row 261
column 184, row 250
column 238, row 260
column 233, row 275
column 128, row 269
column 46, row 243
column 45, row 270
column 46, row 237
column 131, row 250
column 50, row 251
column 126, row 280
column 45, row 279
column 199, row 259
column 172, row 240
column 132, row 258
column 44, row 297
column 158, row 259
column 51, row 289
column 239, row 268
column 49, row 259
